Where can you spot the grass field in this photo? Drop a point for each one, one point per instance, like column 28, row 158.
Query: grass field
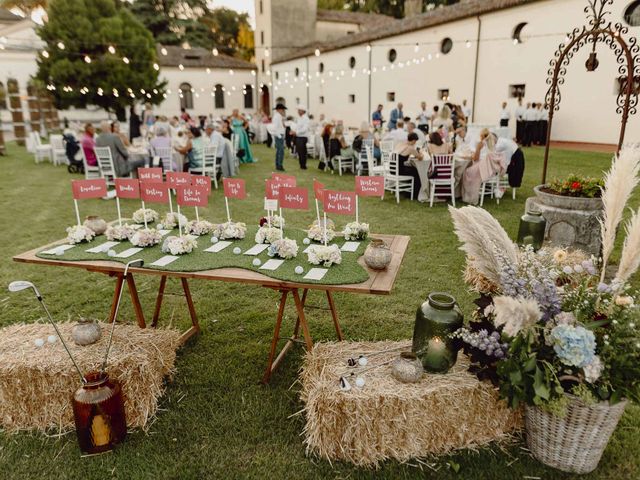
column 216, row 420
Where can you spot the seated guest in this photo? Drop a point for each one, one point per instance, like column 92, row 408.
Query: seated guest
column 121, row 163
column 436, row 146
column 513, row 159
column 397, row 134
column 115, row 129
column 486, row 163
column 226, row 129
column 212, row 131
column 407, row 154
column 193, row 149
column 87, row 142
column 365, row 134
column 161, row 140
column 338, row 141
column 464, row 145
column 411, row 127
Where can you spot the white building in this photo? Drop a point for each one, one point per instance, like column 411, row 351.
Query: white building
column 486, row 51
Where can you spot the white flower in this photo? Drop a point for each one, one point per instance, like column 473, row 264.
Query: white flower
column 140, row 215
column 565, row 318
column 316, row 233
column 283, row 248
column 201, row 227
column 145, row 237
column 327, row 256
column 267, row 234
column 230, row 230
column 120, row 232
column 593, row 371
column 79, row 233
column 489, row 309
column 356, row 231
column 179, row 245
column 560, row 255
column 275, row 220
column 624, row 301
column 568, row 270
column 515, row 314
column 170, row 220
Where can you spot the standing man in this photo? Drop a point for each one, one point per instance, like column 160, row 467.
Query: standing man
column 520, row 121
column 423, row 118
column 466, row 111
column 376, row 118
column 529, row 124
column 301, row 133
column 396, row 114
column 277, row 131
column 505, row 115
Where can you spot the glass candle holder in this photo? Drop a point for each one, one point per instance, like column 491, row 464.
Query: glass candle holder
column 532, row 229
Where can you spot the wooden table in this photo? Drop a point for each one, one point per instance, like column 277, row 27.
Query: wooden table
column 378, row 283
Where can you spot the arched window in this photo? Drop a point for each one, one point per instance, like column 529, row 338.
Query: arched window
column 446, row 45
column 218, row 96
column 352, row 62
column 517, row 33
column 392, row 55
column 186, row 96
column 3, row 97
column 632, row 14
column 248, row 96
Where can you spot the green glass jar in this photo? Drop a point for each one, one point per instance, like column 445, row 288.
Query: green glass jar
column 436, row 319
column 532, row 229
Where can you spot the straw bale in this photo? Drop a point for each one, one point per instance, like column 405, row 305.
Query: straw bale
column 37, row 383
column 387, row 419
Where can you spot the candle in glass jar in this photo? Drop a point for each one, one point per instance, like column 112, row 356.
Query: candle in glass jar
column 436, row 357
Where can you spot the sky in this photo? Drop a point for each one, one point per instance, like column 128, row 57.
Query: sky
column 239, row 5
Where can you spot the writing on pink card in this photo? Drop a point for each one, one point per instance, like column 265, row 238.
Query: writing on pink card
column 178, row 179
column 272, row 189
column 234, row 188
column 192, row 196
column 342, row 203
column 154, row 192
column 127, row 188
column 202, row 181
column 150, row 174
column 294, row 197
column 89, row 188
column 318, row 190
column 284, row 180
column 370, row 186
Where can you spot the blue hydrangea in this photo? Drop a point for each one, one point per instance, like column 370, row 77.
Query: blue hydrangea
column 575, row 346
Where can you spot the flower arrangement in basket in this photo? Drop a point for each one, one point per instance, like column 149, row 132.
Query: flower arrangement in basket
column 553, row 332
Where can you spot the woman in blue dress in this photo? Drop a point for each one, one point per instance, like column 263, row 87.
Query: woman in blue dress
column 237, row 124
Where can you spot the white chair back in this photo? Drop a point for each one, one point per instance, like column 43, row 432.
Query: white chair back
column 386, row 146
column 105, row 164
column 393, row 166
column 56, row 142
column 90, row 172
column 443, row 164
column 166, row 157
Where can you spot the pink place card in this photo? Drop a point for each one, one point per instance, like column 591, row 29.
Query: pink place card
column 202, row 181
column 96, row 188
column 318, row 190
column 370, row 186
column 342, row 203
column 192, row 196
column 150, row 174
column 234, row 188
column 154, row 192
column 271, row 189
column 284, row 180
column 294, row 197
column 127, row 188
column 178, row 179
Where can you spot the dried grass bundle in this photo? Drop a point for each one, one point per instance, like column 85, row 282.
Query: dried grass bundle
column 477, row 281
column 391, row 420
column 619, row 183
column 36, row 383
column 630, row 258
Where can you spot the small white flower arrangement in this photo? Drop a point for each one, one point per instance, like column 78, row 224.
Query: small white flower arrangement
column 145, row 237
column 267, row 234
column 201, row 227
column 284, row 248
column 316, row 232
column 275, row 220
column 148, row 214
column 324, row 255
column 179, row 245
column 170, row 220
column 122, row 232
column 230, row 230
column 79, row 234
column 356, row 231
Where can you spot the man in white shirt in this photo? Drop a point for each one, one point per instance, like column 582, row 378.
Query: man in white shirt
column 465, row 146
column 411, row 128
column 466, row 110
column 277, row 131
column 398, row 134
column 505, row 115
column 301, row 131
column 520, row 121
column 423, row 119
column 530, row 117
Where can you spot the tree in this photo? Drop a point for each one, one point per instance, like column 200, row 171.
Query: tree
column 227, row 27
column 26, row 6
column 81, row 30
column 393, row 8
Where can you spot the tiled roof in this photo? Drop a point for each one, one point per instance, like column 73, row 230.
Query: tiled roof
column 199, row 58
column 345, row 16
column 6, row 16
column 463, row 9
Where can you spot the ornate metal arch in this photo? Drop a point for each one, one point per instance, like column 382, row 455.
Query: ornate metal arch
column 627, row 57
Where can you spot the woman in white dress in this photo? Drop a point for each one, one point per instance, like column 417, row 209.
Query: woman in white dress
column 486, row 163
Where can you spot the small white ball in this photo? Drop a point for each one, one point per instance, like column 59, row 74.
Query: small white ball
column 111, row 253
column 362, row 361
column 39, row 342
column 306, row 241
column 59, row 251
column 214, row 239
column 360, row 382
column 237, row 250
column 256, row 262
column 299, row 270
column 52, row 339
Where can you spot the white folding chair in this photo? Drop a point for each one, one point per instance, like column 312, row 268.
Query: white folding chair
column 386, row 147
column 166, row 158
column 105, row 164
column 365, row 160
column 344, row 163
column 492, row 187
column 58, row 150
column 209, row 166
column 396, row 183
column 311, row 148
column 90, row 171
column 443, row 182
column 235, row 141
column 504, row 184
column 41, row 151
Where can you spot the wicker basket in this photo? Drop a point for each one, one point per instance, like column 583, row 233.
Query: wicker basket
column 576, row 442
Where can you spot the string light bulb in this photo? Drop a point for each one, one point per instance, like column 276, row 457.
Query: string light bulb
column 317, row 52
column 368, row 48
column 111, row 49
column 87, row 59
column 468, row 44
column 215, row 52
column 266, row 52
column 163, row 51
column 45, row 54
column 181, row 67
column 125, row 60
column 416, row 48
column 156, row 67
column 61, row 45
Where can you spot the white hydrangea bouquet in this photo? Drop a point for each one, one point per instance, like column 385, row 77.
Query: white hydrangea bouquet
column 356, row 231
column 324, row 255
column 275, row 221
column 284, row 248
column 122, row 232
column 199, row 227
column 79, row 234
column 267, row 234
column 175, row 245
column 171, row 220
column 145, row 237
column 145, row 214
column 230, row 230
column 316, row 231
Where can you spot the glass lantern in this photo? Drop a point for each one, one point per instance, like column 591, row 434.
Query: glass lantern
column 532, row 229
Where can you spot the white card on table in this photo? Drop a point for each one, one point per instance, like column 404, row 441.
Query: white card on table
column 350, row 246
column 271, row 264
column 164, row 232
column 256, row 249
column 216, row 247
column 103, row 247
column 166, row 260
column 271, row 204
column 129, row 252
column 63, row 248
column 316, row 274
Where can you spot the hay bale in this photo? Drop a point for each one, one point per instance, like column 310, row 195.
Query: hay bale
column 37, row 383
column 387, row 419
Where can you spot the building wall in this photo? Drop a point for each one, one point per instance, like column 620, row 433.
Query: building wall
column 587, row 112
column 326, row 31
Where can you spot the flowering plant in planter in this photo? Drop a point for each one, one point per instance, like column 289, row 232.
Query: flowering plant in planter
column 577, row 186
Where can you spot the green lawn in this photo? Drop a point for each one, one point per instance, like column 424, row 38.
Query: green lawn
column 216, row 420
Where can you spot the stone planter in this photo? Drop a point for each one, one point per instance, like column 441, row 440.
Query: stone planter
column 571, row 221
